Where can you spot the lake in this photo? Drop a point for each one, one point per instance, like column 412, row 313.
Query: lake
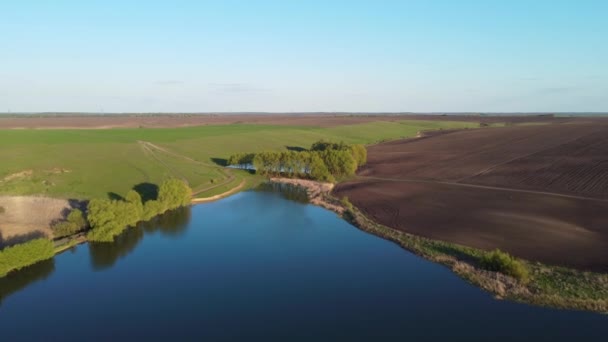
column 259, row 265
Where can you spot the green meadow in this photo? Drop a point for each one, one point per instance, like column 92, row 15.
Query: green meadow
column 83, row 163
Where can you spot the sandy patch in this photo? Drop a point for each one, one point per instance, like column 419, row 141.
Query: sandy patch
column 17, row 175
column 26, row 217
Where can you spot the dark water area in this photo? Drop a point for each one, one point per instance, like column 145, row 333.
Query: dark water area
column 259, row 266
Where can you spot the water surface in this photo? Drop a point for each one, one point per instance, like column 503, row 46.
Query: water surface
column 258, row 265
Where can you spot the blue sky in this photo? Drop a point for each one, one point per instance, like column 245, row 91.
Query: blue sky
column 201, row 56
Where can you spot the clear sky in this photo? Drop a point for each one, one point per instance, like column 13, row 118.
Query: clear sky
column 201, row 56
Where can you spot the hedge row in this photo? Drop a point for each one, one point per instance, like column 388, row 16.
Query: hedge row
column 25, row 254
column 108, row 218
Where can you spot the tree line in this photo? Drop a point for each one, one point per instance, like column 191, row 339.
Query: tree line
column 108, row 218
column 324, row 161
column 25, row 254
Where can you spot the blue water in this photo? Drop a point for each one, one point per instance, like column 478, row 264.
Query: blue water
column 257, row 266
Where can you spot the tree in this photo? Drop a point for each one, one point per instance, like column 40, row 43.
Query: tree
column 134, row 198
column 100, row 213
column 359, row 153
column 151, row 209
column 174, row 193
column 318, row 169
column 74, row 223
column 340, row 163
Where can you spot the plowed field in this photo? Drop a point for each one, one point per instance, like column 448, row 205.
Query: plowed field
column 539, row 192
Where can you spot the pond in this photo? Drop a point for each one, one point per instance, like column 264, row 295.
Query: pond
column 257, row 265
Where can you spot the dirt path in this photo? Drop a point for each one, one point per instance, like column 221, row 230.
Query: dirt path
column 148, row 151
column 151, row 149
column 162, row 149
column 481, row 187
column 222, row 195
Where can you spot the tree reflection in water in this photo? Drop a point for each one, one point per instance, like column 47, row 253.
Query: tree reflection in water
column 171, row 223
column 16, row 281
column 287, row 191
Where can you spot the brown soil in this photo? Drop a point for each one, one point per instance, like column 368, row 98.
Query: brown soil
column 180, row 120
column 539, row 192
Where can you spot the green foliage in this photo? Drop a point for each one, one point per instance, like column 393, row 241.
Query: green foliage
column 340, row 163
column 325, row 161
column 151, row 209
column 134, row 198
column 108, row 218
column 241, row 160
column 75, row 222
column 323, row 145
column 502, row 262
column 25, row 254
column 359, row 153
column 174, row 193
column 318, row 169
column 104, row 220
column 346, row 203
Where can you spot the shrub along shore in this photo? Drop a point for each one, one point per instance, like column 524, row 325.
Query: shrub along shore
column 109, row 218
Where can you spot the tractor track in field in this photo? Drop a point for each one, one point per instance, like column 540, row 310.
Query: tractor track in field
column 151, row 149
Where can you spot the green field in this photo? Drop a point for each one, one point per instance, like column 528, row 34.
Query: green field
column 81, row 163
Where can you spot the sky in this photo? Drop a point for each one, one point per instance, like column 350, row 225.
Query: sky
column 304, row 56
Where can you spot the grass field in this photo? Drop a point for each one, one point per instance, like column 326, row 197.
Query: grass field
column 81, row 163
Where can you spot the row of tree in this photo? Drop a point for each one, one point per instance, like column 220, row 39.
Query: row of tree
column 325, row 161
column 108, row 218
column 74, row 223
column 25, row 254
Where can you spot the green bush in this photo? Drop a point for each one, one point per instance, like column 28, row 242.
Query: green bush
column 502, row 262
column 174, row 193
column 325, row 161
column 346, row 203
column 74, row 223
column 359, row 153
column 151, row 209
column 109, row 218
column 25, row 254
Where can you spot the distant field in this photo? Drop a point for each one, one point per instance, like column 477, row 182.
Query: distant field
column 87, row 163
column 59, row 121
column 539, row 192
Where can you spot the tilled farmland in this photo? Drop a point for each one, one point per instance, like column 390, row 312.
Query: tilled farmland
column 537, row 191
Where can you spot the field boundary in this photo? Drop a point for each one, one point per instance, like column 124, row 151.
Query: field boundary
column 487, row 187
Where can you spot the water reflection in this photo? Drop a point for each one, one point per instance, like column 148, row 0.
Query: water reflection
column 171, row 223
column 16, row 281
column 287, row 191
column 104, row 255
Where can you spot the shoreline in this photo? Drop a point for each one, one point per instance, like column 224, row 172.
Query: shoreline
column 460, row 260
column 219, row 196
